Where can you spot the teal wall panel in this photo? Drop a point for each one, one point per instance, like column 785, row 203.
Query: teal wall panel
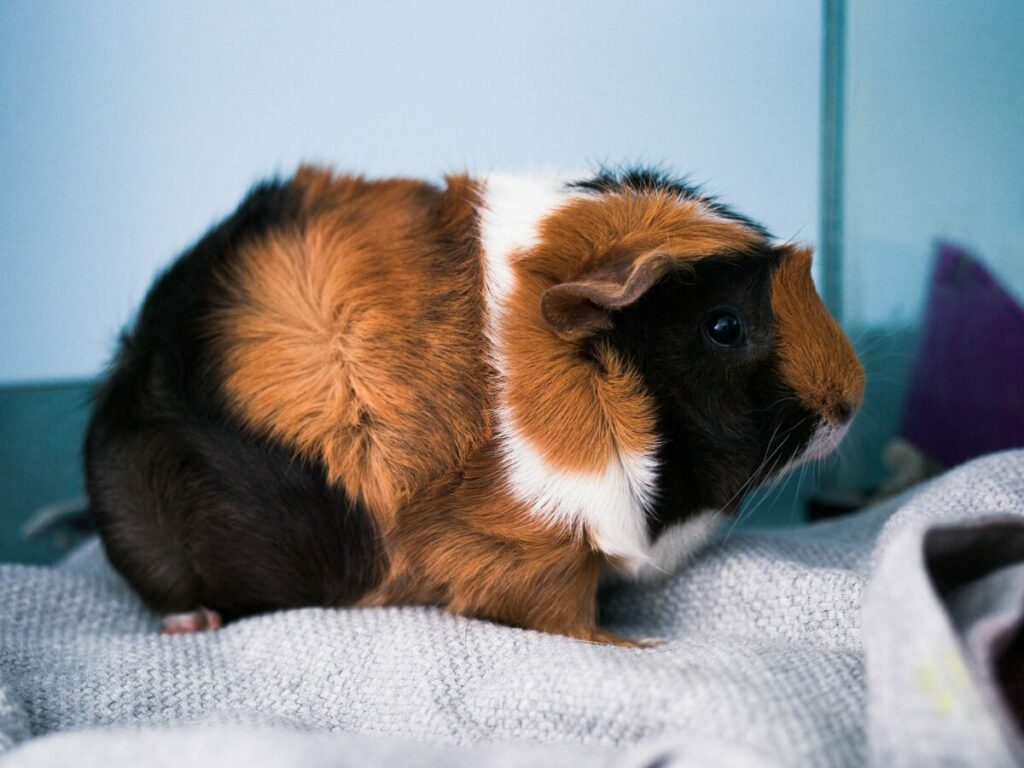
column 41, row 430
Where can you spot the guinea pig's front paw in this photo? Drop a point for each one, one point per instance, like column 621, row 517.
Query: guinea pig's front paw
column 648, row 642
column 603, row 636
column 199, row 620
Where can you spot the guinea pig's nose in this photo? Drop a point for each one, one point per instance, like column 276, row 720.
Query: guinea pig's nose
column 843, row 411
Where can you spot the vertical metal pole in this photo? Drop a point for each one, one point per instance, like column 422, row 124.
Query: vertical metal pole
column 832, row 94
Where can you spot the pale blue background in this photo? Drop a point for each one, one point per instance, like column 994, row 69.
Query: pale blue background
column 934, row 136
column 127, row 128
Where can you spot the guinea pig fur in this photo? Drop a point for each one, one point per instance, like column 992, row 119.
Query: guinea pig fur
column 478, row 395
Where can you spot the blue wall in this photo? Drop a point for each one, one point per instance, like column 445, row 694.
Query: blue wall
column 934, row 136
column 934, row 149
column 127, row 128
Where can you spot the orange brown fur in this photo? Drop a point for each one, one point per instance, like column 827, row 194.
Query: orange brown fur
column 816, row 359
column 316, row 353
column 314, row 338
column 468, row 545
column 315, row 350
column 548, row 386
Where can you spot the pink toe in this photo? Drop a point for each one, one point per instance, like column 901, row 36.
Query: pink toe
column 198, row 620
column 213, row 619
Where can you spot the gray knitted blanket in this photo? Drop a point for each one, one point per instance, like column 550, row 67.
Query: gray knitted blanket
column 882, row 639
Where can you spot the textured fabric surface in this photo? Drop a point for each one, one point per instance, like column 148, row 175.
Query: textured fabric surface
column 866, row 640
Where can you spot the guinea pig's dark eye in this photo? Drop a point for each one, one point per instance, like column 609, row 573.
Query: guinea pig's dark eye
column 724, row 328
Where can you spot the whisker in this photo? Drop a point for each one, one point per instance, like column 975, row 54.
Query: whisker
column 748, row 481
column 742, row 515
column 775, row 484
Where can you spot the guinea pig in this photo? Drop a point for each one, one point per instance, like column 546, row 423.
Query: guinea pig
column 479, row 394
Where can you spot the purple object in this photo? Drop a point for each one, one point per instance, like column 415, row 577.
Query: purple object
column 966, row 395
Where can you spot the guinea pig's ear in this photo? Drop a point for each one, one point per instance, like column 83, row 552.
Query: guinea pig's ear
column 585, row 305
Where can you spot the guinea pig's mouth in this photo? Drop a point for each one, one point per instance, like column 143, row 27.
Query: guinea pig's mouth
column 826, row 438
column 823, row 440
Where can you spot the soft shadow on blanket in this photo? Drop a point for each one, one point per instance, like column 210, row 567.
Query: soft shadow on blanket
column 890, row 638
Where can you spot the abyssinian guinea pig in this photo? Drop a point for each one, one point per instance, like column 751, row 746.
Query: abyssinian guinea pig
column 477, row 395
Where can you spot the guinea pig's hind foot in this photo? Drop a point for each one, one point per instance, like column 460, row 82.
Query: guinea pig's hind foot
column 199, row 620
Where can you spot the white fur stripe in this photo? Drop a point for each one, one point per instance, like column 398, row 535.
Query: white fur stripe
column 510, row 218
column 610, row 504
column 678, row 543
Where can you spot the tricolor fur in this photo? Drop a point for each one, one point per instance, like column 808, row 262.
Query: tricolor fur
column 608, row 503
column 480, row 395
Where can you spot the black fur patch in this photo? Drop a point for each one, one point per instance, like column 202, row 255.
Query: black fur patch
column 725, row 415
column 653, row 179
column 193, row 508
